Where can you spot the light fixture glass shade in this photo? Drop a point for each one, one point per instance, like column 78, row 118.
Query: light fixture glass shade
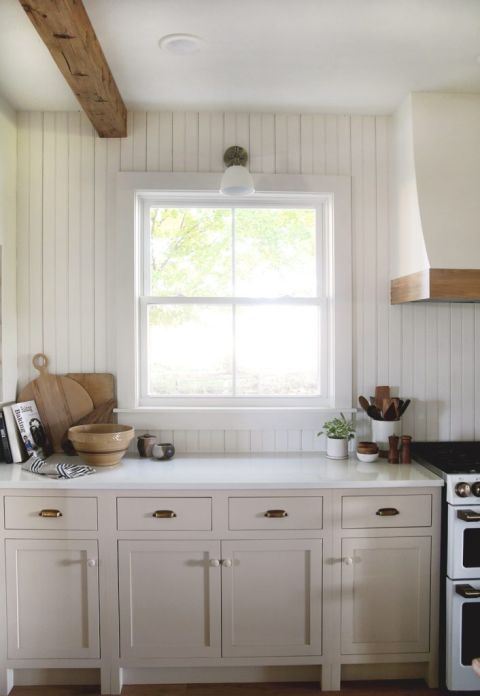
column 237, row 181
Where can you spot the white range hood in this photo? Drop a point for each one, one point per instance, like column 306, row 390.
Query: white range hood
column 436, row 199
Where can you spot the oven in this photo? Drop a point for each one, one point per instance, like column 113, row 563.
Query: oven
column 463, row 545
column 463, row 636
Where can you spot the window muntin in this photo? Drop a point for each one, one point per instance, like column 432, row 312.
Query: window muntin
column 246, row 286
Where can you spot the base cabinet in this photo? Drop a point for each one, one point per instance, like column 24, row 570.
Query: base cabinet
column 52, row 599
column 385, row 595
column 177, row 597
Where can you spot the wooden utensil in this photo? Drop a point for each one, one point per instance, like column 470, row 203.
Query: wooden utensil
column 61, row 401
column 403, row 407
column 381, row 393
column 374, row 413
column 363, row 403
column 389, row 411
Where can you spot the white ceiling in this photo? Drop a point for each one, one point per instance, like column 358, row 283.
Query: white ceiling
column 287, row 55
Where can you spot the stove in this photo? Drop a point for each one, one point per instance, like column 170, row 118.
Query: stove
column 458, row 463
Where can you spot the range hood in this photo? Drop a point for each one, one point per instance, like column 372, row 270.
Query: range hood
column 436, row 199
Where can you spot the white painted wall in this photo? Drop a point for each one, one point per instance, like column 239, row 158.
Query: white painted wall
column 65, row 245
column 8, row 189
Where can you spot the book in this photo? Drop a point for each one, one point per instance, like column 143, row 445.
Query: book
column 7, row 452
column 17, row 448
column 32, row 433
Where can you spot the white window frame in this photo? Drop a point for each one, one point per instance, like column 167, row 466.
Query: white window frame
column 333, row 193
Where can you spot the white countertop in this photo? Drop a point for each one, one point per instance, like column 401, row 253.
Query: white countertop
column 231, row 471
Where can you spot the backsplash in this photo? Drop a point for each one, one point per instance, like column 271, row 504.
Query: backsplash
column 66, row 239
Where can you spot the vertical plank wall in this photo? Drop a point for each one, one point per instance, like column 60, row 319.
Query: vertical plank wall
column 66, row 194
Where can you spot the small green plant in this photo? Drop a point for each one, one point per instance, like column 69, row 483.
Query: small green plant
column 338, row 429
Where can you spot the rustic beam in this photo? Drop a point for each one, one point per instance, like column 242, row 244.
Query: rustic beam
column 66, row 30
column 437, row 285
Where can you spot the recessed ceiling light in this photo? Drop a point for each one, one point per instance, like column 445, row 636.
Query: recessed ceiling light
column 181, row 44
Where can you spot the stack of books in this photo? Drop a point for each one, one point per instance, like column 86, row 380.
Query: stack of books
column 22, row 433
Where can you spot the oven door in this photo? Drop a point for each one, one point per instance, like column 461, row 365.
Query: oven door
column 463, row 550
column 463, row 634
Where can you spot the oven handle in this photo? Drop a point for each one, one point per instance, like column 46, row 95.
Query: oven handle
column 468, row 515
column 467, row 591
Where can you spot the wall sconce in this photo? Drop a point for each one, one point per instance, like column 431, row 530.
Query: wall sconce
column 237, row 180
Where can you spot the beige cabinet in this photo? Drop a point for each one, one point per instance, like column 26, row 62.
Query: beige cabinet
column 52, row 598
column 169, row 598
column 385, row 590
column 271, row 598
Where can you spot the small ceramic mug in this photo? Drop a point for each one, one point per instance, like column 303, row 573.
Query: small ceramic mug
column 163, row 451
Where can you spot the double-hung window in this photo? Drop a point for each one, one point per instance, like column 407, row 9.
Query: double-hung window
column 235, row 300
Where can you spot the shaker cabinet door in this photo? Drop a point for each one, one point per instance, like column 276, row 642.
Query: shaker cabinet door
column 271, row 598
column 52, row 599
column 169, row 598
column 385, row 595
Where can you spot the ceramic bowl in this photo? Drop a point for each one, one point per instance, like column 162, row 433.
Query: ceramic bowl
column 367, row 457
column 367, row 447
column 101, row 444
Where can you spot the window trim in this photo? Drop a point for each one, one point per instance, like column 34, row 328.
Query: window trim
column 127, row 255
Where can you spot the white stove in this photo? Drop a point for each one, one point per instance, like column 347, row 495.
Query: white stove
column 458, row 463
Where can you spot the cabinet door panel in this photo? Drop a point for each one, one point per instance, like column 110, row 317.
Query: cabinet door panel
column 272, row 598
column 52, row 599
column 385, row 595
column 169, row 599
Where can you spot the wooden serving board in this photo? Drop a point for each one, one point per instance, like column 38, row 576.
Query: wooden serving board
column 100, row 385
column 61, row 401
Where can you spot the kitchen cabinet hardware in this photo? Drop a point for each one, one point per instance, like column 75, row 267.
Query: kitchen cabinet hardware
column 92, row 562
column 164, row 514
column 387, row 512
column 50, row 513
column 276, row 513
column 214, row 562
column 226, row 563
column 468, row 515
column 467, row 591
column 348, row 561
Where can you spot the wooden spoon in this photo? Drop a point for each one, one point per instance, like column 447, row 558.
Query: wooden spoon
column 363, row 403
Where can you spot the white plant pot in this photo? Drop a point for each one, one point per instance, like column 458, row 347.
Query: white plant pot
column 336, row 448
column 381, row 431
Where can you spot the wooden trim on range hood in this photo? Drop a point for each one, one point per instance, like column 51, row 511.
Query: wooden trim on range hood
column 68, row 34
column 437, row 285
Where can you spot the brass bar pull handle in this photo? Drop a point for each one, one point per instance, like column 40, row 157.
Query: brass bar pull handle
column 468, row 515
column 387, row 512
column 164, row 514
column 50, row 513
column 467, row 591
column 276, row 513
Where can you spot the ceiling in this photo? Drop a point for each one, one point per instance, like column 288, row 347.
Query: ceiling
column 359, row 56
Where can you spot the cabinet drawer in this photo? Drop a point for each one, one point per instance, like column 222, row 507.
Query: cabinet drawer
column 52, row 513
column 375, row 511
column 275, row 513
column 164, row 514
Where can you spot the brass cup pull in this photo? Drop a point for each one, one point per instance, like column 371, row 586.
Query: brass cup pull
column 467, row 591
column 468, row 515
column 276, row 513
column 50, row 513
column 164, row 514
column 387, row 512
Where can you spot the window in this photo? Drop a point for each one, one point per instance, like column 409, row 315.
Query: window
column 249, row 324
column 235, row 300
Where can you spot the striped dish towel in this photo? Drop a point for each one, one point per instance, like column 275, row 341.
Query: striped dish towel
column 37, row 465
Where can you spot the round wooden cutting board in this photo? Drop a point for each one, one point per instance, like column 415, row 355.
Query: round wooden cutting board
column 61, row 401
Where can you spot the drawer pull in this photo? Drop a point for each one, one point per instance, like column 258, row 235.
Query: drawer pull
column 387, row 512
column 50, row 513
column 164, row 514
column 276, row 513
column 468, row 515
column 467, row 591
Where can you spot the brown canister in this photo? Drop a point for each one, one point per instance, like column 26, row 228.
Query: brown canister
column 145, row 444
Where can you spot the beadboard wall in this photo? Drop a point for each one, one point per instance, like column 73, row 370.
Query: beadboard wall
column 66, row 233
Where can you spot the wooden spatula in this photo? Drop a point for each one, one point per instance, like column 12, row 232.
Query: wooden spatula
column 381, row 393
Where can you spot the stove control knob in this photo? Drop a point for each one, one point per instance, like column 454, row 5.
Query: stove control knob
column 463, row 489
column 476, row 489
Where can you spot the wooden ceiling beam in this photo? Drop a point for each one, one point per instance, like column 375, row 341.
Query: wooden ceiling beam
column 68, row 34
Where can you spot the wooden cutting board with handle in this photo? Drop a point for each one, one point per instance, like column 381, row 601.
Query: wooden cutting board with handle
column 61, row 401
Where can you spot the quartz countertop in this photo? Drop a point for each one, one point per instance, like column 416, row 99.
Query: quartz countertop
column 230, row 472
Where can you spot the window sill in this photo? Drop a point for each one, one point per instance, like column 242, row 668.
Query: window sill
column 229, row 417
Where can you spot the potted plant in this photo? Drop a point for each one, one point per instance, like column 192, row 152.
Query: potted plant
column 338, row 431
